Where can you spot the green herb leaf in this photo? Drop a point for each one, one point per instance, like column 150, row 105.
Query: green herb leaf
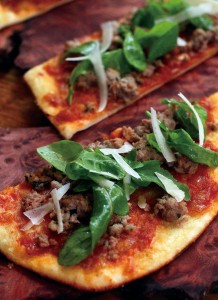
column 81, row 69
column 76, row 248
column 83, row 49
column 181, row 141
column 60, row 153
column 116, row 60
column 205, row 22
column 155, row 39
column 134, row 53
column 147, row 176
column 93, row 163
column 186, row 116
column 174, row 6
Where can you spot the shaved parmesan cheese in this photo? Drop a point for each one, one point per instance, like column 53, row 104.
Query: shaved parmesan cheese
column 119, row 159
column 107, row 35
column 28, row 226
column 181, row 42
column 107, row 174
column 143, row 204
column 171, row 188
column 166, row 151
column 57, row 194
column 190, row 12
column 126, row 183
column 200, row 125
column 57, row 207
column 36, row 215
column 96, row 60
column 102, row 181
column 127, row 147
column 101, row 76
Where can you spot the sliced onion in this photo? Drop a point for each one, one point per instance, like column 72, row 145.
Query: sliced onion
column 107, row 35
column 166, row 151
column 171, row 188
column 103, row 182
column 190, row 12
column 36, row 215
column 200, row 125
column 181, row 42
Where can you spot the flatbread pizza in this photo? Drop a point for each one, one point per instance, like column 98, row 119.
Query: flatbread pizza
column 98, row 75
column 106, row 214
column 15, row 11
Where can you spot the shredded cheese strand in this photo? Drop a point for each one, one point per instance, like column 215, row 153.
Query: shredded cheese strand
column 170, row 187
column 166, row 151
column 200, row 125
column 190, row 12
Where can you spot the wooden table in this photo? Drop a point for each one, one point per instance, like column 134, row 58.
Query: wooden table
column 24, row 127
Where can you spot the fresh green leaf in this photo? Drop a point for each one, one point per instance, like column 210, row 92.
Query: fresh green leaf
column 83, row 186
column 101, row 214
column 147, row 176
column 155, row 39
column 83, row 49
column 146, row 16
column 120, row 205
column 186, row 116
column 116, row 60
column 174, row 6
column 81, row 69
column 93, row 163
column 134, row 53
column 76, row 248
column 181, row 141
column 60, row 153
column 205, row 22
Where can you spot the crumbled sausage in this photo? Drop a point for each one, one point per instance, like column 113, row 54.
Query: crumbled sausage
column 212, row 126
column 86, row 81
column 113, row 143
column 184, row 165
column 130, row 135
column 169, row 209
column 124, row 88
column 78, row 202
column 33, row 200
column 145, row 152
column 167, row 117
column 43, row 241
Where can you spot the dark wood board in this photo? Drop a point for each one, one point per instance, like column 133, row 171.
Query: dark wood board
column 44, row 36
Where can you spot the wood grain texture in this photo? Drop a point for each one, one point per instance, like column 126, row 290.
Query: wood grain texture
column 44, row 37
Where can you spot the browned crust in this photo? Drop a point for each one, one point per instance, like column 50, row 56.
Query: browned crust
column 8, row 17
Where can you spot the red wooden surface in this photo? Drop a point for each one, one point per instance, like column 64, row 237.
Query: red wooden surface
column 194, row 274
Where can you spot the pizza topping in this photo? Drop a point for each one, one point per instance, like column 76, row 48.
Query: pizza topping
column 37, row 214
column 171, row 188
column 167, row 153
column 200, row 125
column 170, row 209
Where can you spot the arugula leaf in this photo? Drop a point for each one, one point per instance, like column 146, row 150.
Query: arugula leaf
column 76, row 248
column 83, row 49
column 146, row 16
column 181, row 141
column 81, row 69
column 155, row 39
column 101, row 214
column 93, row 163
column 60, row 153
column 147, row 176
column 186, row 116
column 134, row 53
column 205, row 22
column 174, row 6
column 116, row 60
